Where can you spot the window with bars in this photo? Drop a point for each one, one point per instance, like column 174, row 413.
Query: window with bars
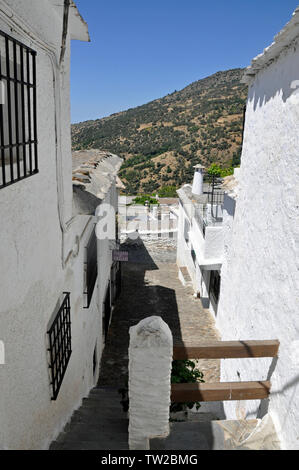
column 60, row 345
column 91, row 267
column 18, row 120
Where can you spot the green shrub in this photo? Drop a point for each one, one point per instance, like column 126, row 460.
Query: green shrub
column 182, row 372
column 143, row 198
column 168, row 191
column 185, row 372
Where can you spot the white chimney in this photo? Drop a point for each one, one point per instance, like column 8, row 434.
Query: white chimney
column 197, row 187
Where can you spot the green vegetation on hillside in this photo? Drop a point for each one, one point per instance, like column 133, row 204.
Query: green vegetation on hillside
column 162, row 140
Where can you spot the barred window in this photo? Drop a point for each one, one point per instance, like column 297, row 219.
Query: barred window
column 18, row 120
column 60, row 349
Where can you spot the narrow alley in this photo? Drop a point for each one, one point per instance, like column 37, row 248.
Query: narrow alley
column 150, row 286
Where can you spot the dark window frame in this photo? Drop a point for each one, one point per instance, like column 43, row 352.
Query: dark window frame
column 18, row 121
column 193, row 255
column 91, row 267
column 215, row 285
column 60, row 350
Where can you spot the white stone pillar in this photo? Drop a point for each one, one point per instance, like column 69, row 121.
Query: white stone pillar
column 197, row 187
column 150, row 358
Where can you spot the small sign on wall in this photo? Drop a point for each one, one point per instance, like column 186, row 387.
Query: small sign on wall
column 120, row 255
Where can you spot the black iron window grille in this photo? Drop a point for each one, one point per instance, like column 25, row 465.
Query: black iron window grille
column 91, row 267
column 215, row 193
column 18, row 120
column 216, row 197
column 60, row 345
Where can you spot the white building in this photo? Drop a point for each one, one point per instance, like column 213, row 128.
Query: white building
column 148, row 221
column 200, row 245
column 47, row 235
column 260, row 281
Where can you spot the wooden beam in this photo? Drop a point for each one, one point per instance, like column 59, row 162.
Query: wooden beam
column 226, row 350
column 225, row 391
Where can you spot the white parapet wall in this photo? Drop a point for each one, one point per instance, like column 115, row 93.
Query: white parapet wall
column 150, row 359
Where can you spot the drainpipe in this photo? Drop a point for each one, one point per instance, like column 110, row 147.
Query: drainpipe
column 66, row 12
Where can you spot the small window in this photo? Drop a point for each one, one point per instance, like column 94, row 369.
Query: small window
column 215, row 281
column 18, row 123
column 91, row 267
column 60, row 350
column 193, row 255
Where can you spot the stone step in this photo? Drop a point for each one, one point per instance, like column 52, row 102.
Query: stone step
column 95, row 415
column 92, row 432
column 184, row 276
column 220, row 435
column 89, row 445
column 99, row 424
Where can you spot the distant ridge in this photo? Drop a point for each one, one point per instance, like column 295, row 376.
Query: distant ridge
column 163, row 139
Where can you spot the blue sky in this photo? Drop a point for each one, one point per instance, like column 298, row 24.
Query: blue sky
column 142, row 50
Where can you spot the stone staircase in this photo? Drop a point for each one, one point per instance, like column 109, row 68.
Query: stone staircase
column 184, row 276
column 99, row 424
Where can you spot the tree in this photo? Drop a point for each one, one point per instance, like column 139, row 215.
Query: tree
column 168, row 191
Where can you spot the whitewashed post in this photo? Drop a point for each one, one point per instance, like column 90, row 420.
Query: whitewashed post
column 150, row 358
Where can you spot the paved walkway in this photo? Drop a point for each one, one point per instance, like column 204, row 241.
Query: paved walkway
column 151, row 287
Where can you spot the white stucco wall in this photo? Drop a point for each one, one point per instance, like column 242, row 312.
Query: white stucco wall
column 260, row 282
column 209, row 250
column 32, row 253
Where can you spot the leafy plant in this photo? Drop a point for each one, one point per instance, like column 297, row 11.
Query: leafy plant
column 214, row 170
column 145, row 198
column 182, row 372
column 168, row 191
column 185, row 372
column 218, row 171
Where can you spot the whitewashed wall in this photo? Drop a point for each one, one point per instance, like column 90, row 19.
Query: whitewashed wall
column 260, row 282
column 32, row 252
column 184, row 257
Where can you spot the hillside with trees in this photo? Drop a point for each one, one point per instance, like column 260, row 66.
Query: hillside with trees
column 162, row 140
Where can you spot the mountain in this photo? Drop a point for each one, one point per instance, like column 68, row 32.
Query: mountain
column 162, row 140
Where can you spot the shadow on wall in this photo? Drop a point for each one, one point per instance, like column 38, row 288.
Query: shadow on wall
column 280, row 84
column 263, row 408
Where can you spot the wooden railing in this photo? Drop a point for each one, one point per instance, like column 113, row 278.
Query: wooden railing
column 223, row 391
